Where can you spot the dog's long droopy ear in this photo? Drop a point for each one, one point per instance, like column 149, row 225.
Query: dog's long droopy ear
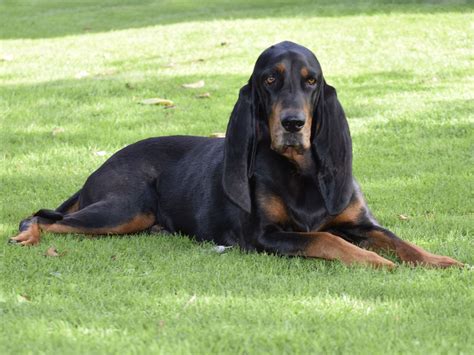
column 239, row 154
column 332, row 146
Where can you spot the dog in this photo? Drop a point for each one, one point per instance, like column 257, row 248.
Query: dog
column 279, row 182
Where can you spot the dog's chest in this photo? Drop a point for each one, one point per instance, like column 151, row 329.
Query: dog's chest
column 305, row 219
column 293, row 208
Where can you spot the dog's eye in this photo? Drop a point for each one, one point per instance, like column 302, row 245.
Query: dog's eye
column 270, row 80
column 311, row 81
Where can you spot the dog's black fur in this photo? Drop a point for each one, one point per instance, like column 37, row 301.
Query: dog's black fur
column 281, row 180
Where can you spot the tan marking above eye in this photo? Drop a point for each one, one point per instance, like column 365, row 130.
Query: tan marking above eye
column 270, row 80
column 280, row 67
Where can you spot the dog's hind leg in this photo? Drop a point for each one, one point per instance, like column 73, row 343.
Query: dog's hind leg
column 69, row 206
column 101, row 218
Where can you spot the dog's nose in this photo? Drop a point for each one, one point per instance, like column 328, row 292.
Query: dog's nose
column 293, row 122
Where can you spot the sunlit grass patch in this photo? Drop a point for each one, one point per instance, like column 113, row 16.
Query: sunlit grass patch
column 71, row 79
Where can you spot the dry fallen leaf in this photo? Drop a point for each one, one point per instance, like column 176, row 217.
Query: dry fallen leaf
column 204, row 95
column 217, row 135
column 57, row 130
column 23, row 298
column 403, row 217
column 157, row 101
column 51, row 252
column 196, row 85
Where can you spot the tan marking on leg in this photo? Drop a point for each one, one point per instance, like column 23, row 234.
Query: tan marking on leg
column 331, row 247
column 32, row 234
column 136, row 224
column 408, row 252
column 349, row 215
column 273, row 208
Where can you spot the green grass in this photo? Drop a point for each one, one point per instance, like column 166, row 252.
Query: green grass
column 404, row 73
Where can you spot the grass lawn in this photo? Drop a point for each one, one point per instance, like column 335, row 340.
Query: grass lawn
column 71, row 76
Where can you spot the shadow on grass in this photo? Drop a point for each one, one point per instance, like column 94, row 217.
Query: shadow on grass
column 104, row 112
column 103, row 115
column 50, row 18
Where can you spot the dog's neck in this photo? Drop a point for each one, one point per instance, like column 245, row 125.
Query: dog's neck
column 291, row 162
column 303, row 162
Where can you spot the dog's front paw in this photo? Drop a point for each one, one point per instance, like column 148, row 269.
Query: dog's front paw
column 378, row 261
column 439, row 261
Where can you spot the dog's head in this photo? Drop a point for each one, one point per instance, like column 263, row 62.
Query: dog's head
column 287, row 78
column 289, row 101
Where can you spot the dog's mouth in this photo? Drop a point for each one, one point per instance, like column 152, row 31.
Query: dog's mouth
column 299, row 149
column 290, row 143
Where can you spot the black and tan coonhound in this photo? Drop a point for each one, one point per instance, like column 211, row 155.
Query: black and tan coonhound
column 280, row 182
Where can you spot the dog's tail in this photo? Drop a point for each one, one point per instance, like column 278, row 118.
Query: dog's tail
column 53, row 215
column 61, row 211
